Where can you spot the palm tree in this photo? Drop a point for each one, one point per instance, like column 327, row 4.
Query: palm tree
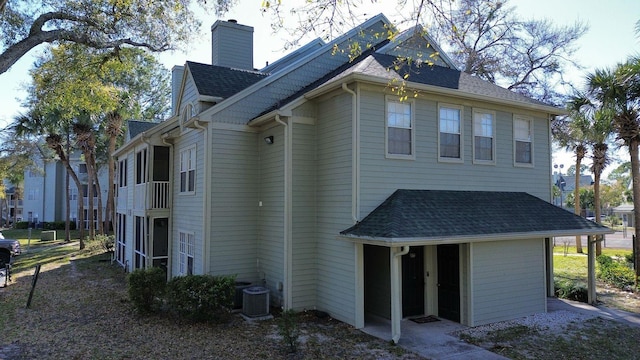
column 618, row 91
column 597, row 134
column 571, row 133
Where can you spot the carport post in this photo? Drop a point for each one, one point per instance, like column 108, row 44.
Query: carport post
column 591, row 270
column 396, row 290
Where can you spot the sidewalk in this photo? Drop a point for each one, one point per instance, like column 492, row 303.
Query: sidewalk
column 621, row 316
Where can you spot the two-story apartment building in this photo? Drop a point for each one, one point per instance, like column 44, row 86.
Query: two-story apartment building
column 319, row 179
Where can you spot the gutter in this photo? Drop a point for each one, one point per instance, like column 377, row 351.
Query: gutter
column 206, row 204
column 419, row 241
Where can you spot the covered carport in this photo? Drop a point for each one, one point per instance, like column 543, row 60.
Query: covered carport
column 479, row 220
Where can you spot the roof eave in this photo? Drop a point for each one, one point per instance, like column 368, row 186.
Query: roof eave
column 332, row 85
column 419, row 241
column 140, row 138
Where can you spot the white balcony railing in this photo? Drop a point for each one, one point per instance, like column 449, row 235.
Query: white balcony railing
column 160, row 195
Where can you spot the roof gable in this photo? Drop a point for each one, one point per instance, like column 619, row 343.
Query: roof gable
column 134, row 128
column 222, row 82
column 438, row 214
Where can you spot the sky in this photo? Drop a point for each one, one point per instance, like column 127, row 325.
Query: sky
column 611, row 39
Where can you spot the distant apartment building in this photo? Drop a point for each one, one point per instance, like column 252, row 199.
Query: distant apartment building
column 44, row 196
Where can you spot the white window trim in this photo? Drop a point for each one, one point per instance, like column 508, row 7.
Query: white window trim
column 530, row 120
column 186, row 250
column 493, row 137
column 195, row 170
column 448, row 159
column 412, row 104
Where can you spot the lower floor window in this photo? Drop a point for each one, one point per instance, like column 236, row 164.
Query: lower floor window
column 121, row 226
column 187, row 249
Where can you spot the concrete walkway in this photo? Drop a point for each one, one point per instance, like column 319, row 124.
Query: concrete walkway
column 621, row 316
column 432, row 339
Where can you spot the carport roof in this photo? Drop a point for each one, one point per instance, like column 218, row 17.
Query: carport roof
column 438, row 216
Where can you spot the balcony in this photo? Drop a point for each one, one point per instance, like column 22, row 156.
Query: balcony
column 160, row 195
column 153, row 195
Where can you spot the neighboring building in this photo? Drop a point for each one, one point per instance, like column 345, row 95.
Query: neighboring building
column 625, row 213
column 45, row 196
column 11, row 205
column 313, row 178
column 567, row 184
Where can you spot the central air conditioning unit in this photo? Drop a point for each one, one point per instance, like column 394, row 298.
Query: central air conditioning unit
column 255, row 302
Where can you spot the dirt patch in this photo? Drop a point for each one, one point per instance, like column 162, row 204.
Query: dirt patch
column 80, row 310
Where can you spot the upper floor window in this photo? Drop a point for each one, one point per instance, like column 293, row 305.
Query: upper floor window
column 523, row 140
column 141, row 167
column 400, row 132
column 122, row 173
column 450, row 129
column 82, row 168
column 484, row 144
column 188, row 170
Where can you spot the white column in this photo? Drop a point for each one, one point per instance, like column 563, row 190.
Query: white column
column 396, row 290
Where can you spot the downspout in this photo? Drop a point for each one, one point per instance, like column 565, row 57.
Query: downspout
column 170, row 204
column 288, row 213
column 355, row 155
column 148, row 251
column 396, row 291
column 206, row 204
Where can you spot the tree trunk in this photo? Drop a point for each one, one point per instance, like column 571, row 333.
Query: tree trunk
column 596, row 201
column 576, row 201
column 99, row 191
column 635, row 173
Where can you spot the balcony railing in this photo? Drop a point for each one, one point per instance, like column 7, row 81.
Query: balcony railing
column 160, row 195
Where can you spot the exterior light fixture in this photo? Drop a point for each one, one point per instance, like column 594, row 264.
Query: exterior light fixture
column 269, row 140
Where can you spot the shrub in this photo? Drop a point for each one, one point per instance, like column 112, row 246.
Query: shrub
column 146, row 288
column 288, row 329
column 100, row 242
column 22, row 225
column 614, row 272
column 201, row 297
column 571, row 290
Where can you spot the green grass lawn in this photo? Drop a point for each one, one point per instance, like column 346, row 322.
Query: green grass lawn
column 573, row 265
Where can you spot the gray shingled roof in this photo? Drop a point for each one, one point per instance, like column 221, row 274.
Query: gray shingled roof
column 136, row 127
column 221, row 81
column 438, row 214
column 383, row 66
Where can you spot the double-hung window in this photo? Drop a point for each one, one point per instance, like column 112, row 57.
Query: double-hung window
column 450, row 132
column 400, row 129
column 523, row 140
column 187, row 245
column 484, row 144
column 188, row 170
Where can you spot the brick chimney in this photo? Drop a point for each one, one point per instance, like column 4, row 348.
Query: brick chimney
column 232, row 45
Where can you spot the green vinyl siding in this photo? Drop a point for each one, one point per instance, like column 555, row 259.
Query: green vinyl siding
column 335, row 257
column 234, row 204
column 380, row 176
column 304, row 216
column 508, row 280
